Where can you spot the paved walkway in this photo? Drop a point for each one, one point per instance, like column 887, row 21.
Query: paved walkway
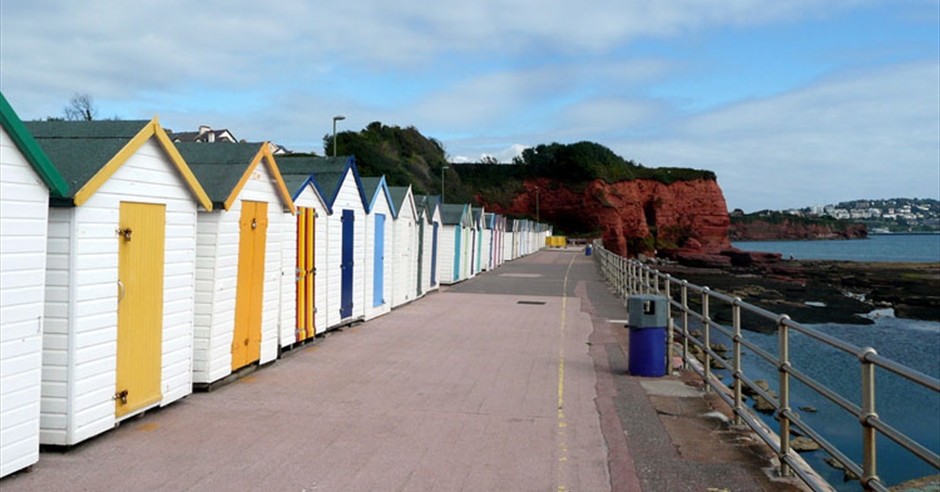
column 512, row 381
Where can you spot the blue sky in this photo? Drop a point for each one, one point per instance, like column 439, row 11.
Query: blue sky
column 790, row 103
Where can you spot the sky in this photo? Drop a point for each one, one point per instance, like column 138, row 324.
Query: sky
column 791, row 104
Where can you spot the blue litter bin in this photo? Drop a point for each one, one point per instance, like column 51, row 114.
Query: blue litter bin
column 587, row 250
column 646, row 315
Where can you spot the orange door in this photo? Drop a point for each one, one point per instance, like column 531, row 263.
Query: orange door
column 305, row 273
column 141, row 243
column 249, row 292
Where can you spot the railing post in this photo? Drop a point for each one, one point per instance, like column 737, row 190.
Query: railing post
column 629, row 277
column 784, row 412
column 869, row 450
column 669, row 325
column 738, row 397
column 621, row 277
column 707, row 338
column 685, row 324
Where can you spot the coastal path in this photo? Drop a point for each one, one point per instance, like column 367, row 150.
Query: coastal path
column 515, row 380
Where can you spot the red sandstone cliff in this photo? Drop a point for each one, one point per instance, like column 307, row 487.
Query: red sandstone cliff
column 632, row 217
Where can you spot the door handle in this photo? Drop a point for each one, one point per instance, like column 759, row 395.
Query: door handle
column 121, row 290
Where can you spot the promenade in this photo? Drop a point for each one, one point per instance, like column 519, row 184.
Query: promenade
column 515, row 380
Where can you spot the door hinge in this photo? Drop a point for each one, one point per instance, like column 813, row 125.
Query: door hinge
column 121, row 396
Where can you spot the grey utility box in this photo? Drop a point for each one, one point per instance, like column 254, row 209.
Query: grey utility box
column 646, row 311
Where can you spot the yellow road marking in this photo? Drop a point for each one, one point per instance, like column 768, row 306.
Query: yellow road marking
column 562, row 421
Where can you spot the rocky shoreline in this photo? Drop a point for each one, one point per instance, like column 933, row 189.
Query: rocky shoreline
column 815, row 291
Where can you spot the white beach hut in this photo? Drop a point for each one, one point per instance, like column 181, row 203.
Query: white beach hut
column 27, row 179
column 238, row 257
column 404, row 267
column 429, row 209
column 121, row 261
column 303, row 291
column 338, row 181
column 455, row 229
column 378, row 247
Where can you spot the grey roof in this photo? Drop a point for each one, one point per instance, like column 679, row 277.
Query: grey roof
column 218, row 168
column 327, row 173
column 398, row 194
column 79, row 149
column 452, row 213
column 369, row 186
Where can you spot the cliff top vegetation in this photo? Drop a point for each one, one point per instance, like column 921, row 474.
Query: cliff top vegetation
column 405, row 156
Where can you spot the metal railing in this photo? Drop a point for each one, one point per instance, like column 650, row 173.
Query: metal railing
column 629, row 277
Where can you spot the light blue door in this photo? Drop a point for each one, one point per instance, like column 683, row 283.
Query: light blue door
column 378, row 272
column 434, row 257
column 457, row 255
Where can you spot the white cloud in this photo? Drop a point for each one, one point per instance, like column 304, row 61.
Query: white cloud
column 865, row 134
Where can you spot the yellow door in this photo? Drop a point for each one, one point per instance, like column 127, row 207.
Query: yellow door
column 249, row 293
column 141, row 242
column 301, row 276
column 305, row 273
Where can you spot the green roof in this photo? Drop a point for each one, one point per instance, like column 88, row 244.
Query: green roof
column 79, row 149
column 218, row 167
column 34, row 154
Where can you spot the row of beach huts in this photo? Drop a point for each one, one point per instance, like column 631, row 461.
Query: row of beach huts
column 134, row 269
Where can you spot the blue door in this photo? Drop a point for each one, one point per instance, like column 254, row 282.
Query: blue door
column 480, row 251
column 378, row 272
column 434, row 257
column 346, row 290
column 457, row 256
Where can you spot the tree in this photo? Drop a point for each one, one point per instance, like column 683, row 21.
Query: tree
column 488, row 159
column 81, row 108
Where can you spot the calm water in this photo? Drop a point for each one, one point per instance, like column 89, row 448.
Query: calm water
column 916, row 344
column 918, row 248
column 903, row 405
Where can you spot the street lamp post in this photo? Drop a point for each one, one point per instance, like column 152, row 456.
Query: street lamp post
column 442, row 182
column 335, row 119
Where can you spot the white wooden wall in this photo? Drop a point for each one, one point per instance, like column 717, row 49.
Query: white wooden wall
column 380, row 207
column 80, row 332
column 447, row 236
column 308, row 198
column 217, row 279
column 347, row 199
column 24, row 210
column 405, row 268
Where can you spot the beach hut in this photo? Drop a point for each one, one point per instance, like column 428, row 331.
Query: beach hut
column 429, row 208
column 482, row 241
column 455, row 229
column 500, row 233
column 303, row 291
column 489, row 239
column 378, row 247
column 120, row 284
column 338, row 182
column 405, row 263
column 27, row 179
column 238, row 257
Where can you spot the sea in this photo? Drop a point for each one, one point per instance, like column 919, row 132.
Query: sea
column 912, row 248
column 916, row 344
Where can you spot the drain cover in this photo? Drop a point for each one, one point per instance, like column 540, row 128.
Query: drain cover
column 535, row 303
